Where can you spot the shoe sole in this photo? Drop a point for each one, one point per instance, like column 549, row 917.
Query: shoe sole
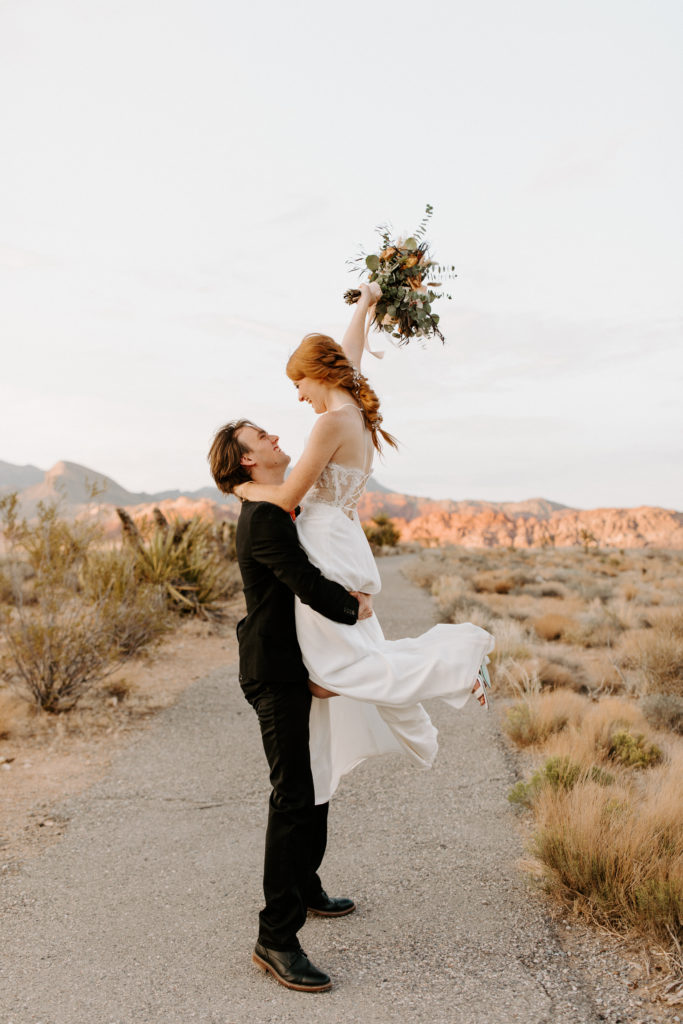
column 331, row 913
column 265, row 966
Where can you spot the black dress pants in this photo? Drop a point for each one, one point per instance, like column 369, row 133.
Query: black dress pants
column 296, row 835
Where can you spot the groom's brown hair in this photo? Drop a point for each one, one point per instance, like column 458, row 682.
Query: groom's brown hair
column 225, row 455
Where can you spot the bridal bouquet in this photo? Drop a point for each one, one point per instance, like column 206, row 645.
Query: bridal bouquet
column 407, row 276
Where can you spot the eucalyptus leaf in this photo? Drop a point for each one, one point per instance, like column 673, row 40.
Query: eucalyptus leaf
column 410, row 244
column 372, row 262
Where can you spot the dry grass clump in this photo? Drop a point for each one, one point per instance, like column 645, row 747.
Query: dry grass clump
column 426, row 569
column 667, row 619
column 529, row 674
column 608, row 808
column 611, row 731
column 533, row 720
column 554, row 674
column 512, row 640
column 658, row 654
column 614, row 852
column 589, row 737
column 494, row 581
column 554, row 626
column 664, row 711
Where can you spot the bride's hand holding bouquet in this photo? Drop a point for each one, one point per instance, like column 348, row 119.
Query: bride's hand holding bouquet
column 402, row 282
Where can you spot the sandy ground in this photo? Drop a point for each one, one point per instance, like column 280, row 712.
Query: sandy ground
column 145, row 910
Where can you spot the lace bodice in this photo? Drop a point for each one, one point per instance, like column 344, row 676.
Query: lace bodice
column 341, row 486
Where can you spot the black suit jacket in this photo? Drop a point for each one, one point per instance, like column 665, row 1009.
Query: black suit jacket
column 274, row 568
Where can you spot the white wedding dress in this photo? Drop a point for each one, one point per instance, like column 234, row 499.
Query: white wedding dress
column 380, row 682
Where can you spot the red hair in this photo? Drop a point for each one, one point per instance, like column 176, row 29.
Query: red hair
column 321, row 358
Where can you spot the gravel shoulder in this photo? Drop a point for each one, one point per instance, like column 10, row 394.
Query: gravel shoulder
column 145, row 911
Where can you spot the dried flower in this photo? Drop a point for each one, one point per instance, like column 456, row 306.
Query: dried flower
column 405, row 308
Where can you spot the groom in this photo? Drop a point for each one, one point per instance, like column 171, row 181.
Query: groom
column 274, row 680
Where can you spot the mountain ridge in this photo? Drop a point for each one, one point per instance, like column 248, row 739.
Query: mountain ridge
column 533, row 522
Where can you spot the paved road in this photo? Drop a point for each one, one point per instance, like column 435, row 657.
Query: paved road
column 146, row 911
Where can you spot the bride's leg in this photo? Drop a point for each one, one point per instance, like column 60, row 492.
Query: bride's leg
column 319, row 691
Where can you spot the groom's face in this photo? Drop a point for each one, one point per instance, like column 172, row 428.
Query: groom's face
column 264, row 450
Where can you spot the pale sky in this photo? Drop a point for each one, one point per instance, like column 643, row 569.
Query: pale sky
column 182, row 183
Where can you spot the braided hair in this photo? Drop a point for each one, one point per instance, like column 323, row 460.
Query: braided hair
column 321, row 358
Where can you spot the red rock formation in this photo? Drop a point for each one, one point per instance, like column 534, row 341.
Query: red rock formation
column 489, row 527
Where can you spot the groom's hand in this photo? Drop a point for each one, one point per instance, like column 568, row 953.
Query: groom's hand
column 364, row 604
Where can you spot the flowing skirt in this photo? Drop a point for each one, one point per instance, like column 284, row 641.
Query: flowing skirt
column 380, row 682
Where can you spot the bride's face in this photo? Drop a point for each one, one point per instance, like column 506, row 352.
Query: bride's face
column 313, row 392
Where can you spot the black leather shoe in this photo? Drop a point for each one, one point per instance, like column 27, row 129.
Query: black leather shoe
column 291, row 968
column 325, row 906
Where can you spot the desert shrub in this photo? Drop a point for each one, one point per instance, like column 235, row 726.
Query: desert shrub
column 553, row 626
column 532, row 721
column 496, row 581
column 667, row 619
column 88, row 610
column 614, row 851
column 455, row 604
column 136, row 611
column 591, row 590
column 517, row 677
column 552, row 590
column 633, row 750
column 590, row 737
column 426, row 569
column 450, row 595
column 57, row 654
column 382, row 532
column 658, row 653
column 512, row 640
column 57, row 646
column 185, row 559
column 627, row 615
column 6, row 586
column 558, row 773
column 555, row 674
column 598, row 626
column 664, row 711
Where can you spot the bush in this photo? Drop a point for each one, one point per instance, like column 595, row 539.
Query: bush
column 557, row 772
column 382, row 532
column 533, row 720
column 553, row 626
column 57, row 654
column 664, row 711
column 614, row 852
column 137, row 611
column 90, row 608
column 554, row 675
column 658, row 653
column 633, row 751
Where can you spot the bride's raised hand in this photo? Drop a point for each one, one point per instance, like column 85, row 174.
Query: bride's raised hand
column 371, row 292
column 353, row 341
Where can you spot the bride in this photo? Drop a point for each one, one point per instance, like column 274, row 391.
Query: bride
column 377, row 684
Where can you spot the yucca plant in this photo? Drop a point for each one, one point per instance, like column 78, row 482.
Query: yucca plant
column 184, row 558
